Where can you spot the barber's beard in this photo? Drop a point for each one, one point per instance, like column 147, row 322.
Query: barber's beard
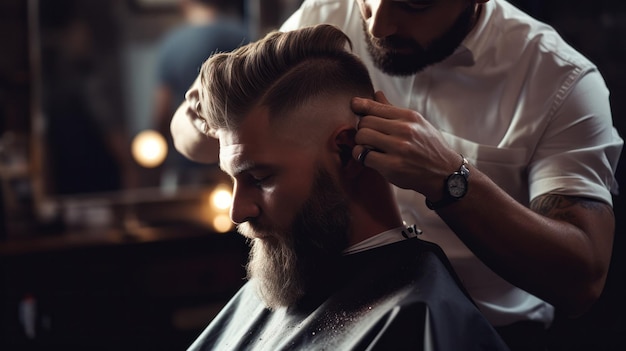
column 290, row 264
column 402, row 56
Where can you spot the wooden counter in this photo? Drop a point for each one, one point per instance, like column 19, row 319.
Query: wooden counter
column 154, row 289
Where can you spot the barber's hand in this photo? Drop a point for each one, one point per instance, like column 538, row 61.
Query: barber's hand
column 406, row 149
column 190, row 132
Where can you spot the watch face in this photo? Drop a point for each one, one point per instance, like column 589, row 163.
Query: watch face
column 457, row 185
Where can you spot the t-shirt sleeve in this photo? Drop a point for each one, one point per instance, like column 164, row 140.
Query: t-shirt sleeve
column 579, row 153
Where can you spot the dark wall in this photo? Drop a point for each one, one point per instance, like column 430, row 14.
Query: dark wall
column 14, row 67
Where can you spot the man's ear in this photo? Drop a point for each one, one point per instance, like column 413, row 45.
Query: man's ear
column 342, row 144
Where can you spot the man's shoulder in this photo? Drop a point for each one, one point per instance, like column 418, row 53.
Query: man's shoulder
column 411, row 264
column 183, row 35
column 175, row 41
column 510, row 29
column 388, row 297
column 236, row 319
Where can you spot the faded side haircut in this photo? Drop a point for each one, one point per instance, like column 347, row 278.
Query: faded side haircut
column 282, row 71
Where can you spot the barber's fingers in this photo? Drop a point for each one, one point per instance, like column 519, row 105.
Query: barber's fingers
column 373, row 140
column 380, row 97
column 381, row 125
column 377, row 133
column 365, row 155
column 191, row 112
column 385, row 118
column 362, row 154
column 379, row 107
column 385, row 163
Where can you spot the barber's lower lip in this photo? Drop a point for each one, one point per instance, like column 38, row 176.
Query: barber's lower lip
column 395, row 49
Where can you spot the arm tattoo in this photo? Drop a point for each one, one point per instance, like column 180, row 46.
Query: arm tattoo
column 558, row 206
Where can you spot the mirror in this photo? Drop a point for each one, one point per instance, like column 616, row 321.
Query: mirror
column 96, row 72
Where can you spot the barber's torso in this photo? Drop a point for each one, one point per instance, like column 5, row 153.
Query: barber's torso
column 496, row 100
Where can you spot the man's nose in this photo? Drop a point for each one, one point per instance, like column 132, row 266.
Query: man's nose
column 243, row 207
column 381, row 21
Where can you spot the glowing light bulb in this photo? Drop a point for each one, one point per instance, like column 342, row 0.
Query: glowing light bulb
column 222, row 223
column 149, row 148
column 221, row 199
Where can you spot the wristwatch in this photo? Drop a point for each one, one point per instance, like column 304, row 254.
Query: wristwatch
column 454, row 187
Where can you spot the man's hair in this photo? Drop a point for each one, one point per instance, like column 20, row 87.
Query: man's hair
column 282, row 71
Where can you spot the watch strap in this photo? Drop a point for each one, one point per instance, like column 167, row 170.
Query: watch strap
column 447, row 198
column 441, row 203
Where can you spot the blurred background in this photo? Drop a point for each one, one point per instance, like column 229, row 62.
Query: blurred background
column 111, row 240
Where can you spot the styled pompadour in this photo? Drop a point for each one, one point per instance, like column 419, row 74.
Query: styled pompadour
column 282, row 71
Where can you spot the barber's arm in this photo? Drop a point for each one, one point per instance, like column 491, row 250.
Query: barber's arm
column 558, row 248
column 189, row 131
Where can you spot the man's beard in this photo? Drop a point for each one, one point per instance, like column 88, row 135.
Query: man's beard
column 289, row 264
column 412, row 57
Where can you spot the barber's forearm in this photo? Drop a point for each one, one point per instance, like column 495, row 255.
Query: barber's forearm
column 563, row 260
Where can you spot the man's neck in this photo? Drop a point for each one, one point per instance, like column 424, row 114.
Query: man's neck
column 373, row 208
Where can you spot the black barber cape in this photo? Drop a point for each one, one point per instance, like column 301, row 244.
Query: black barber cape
column 402, row 296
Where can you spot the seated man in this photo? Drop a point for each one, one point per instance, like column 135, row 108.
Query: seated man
column 332, row 266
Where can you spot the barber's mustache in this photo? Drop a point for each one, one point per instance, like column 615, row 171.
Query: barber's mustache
column 396, row 42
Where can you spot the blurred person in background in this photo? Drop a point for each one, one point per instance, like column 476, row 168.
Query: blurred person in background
column 85, row 133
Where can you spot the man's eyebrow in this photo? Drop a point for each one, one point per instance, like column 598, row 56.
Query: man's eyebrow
column 245, row 167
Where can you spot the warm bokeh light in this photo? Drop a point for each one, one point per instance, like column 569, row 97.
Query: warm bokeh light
column 217, row 208
column 149, row 148
column 222, row 223
column 221, row 198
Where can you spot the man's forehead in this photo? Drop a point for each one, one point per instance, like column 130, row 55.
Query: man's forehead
column 232, row 158
column 300, row 128
column 240, row 153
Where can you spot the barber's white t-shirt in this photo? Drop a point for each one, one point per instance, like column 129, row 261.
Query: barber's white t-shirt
column 521, row 105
